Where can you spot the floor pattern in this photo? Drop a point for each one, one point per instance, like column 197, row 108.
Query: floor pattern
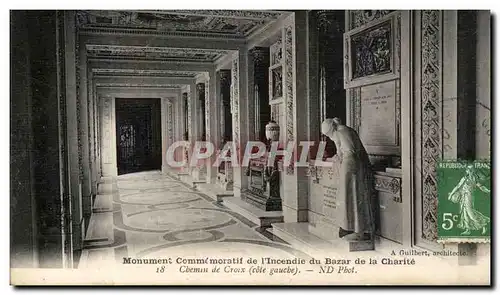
column 149, row 214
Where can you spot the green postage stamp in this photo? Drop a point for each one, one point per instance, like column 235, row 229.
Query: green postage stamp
column 464, row 198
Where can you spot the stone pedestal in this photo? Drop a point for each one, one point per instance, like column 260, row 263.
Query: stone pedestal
column 258, row 216
column 324, row 188
column 225, row 176
column 199, row 173
column 263, row 186
column 327, row 230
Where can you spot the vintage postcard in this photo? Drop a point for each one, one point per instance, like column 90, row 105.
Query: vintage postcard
column 250, row 147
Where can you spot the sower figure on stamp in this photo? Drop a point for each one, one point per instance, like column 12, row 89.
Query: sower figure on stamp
column 356, row 181
column 462, row 193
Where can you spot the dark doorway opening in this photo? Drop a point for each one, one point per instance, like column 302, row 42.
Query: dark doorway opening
column 138, row 135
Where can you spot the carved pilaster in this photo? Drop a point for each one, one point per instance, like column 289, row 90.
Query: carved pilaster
column 78, row 104
column 289, row 88
column 355, row 99
column 170, row 122
column 431, row 120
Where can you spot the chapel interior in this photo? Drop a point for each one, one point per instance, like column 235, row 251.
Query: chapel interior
column 98, row 97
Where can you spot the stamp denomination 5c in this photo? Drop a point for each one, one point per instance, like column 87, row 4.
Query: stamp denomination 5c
column 464, row 199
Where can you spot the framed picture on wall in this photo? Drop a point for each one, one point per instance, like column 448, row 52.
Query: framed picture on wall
column 372, row 52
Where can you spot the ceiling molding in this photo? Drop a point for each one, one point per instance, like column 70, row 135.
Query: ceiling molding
column 243, row 14
column 237, row 24
column 155, row 53
column 140, row 85
column 138, row 80
column 160, row 41
column 150, row 65
column 137, row 92
column 144, row 73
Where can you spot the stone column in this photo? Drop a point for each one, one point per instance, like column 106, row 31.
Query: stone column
column 164, row 144
column 167, row 128
column 191, row 121
column 483, row 82
column 200, row 170
column 92, row 163
column 179, row 123
column 224, row 126
column 185, row 116
column 72, row 131
column 224, row 94
column 329, row 29
column 23, row 220
column 445, row 108
column 178, row 116
column 200, row 120
column 461, row 102
column 52, row 184
column 193, row 129
column 97, row 157
column 84, row 134
column 295, row 184
column 108, row 141
column 259, row 100
column 239, row 102
column 212, row 122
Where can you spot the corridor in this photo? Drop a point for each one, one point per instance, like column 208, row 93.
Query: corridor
column 200, row 98
column 148, row 214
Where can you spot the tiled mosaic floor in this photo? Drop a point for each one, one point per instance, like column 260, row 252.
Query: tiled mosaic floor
column 152, row 215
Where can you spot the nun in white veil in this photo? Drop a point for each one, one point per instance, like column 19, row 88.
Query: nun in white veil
column 356, row 181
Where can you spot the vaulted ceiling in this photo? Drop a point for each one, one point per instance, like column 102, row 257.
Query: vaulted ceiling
column 219, row 23
column 112, row 27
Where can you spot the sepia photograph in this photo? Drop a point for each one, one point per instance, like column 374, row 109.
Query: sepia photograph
column 199, row 147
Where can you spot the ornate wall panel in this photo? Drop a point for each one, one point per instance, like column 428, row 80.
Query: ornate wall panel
column 361, row 90
column 290, row 95
column 358, row 18
column 431, row 117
